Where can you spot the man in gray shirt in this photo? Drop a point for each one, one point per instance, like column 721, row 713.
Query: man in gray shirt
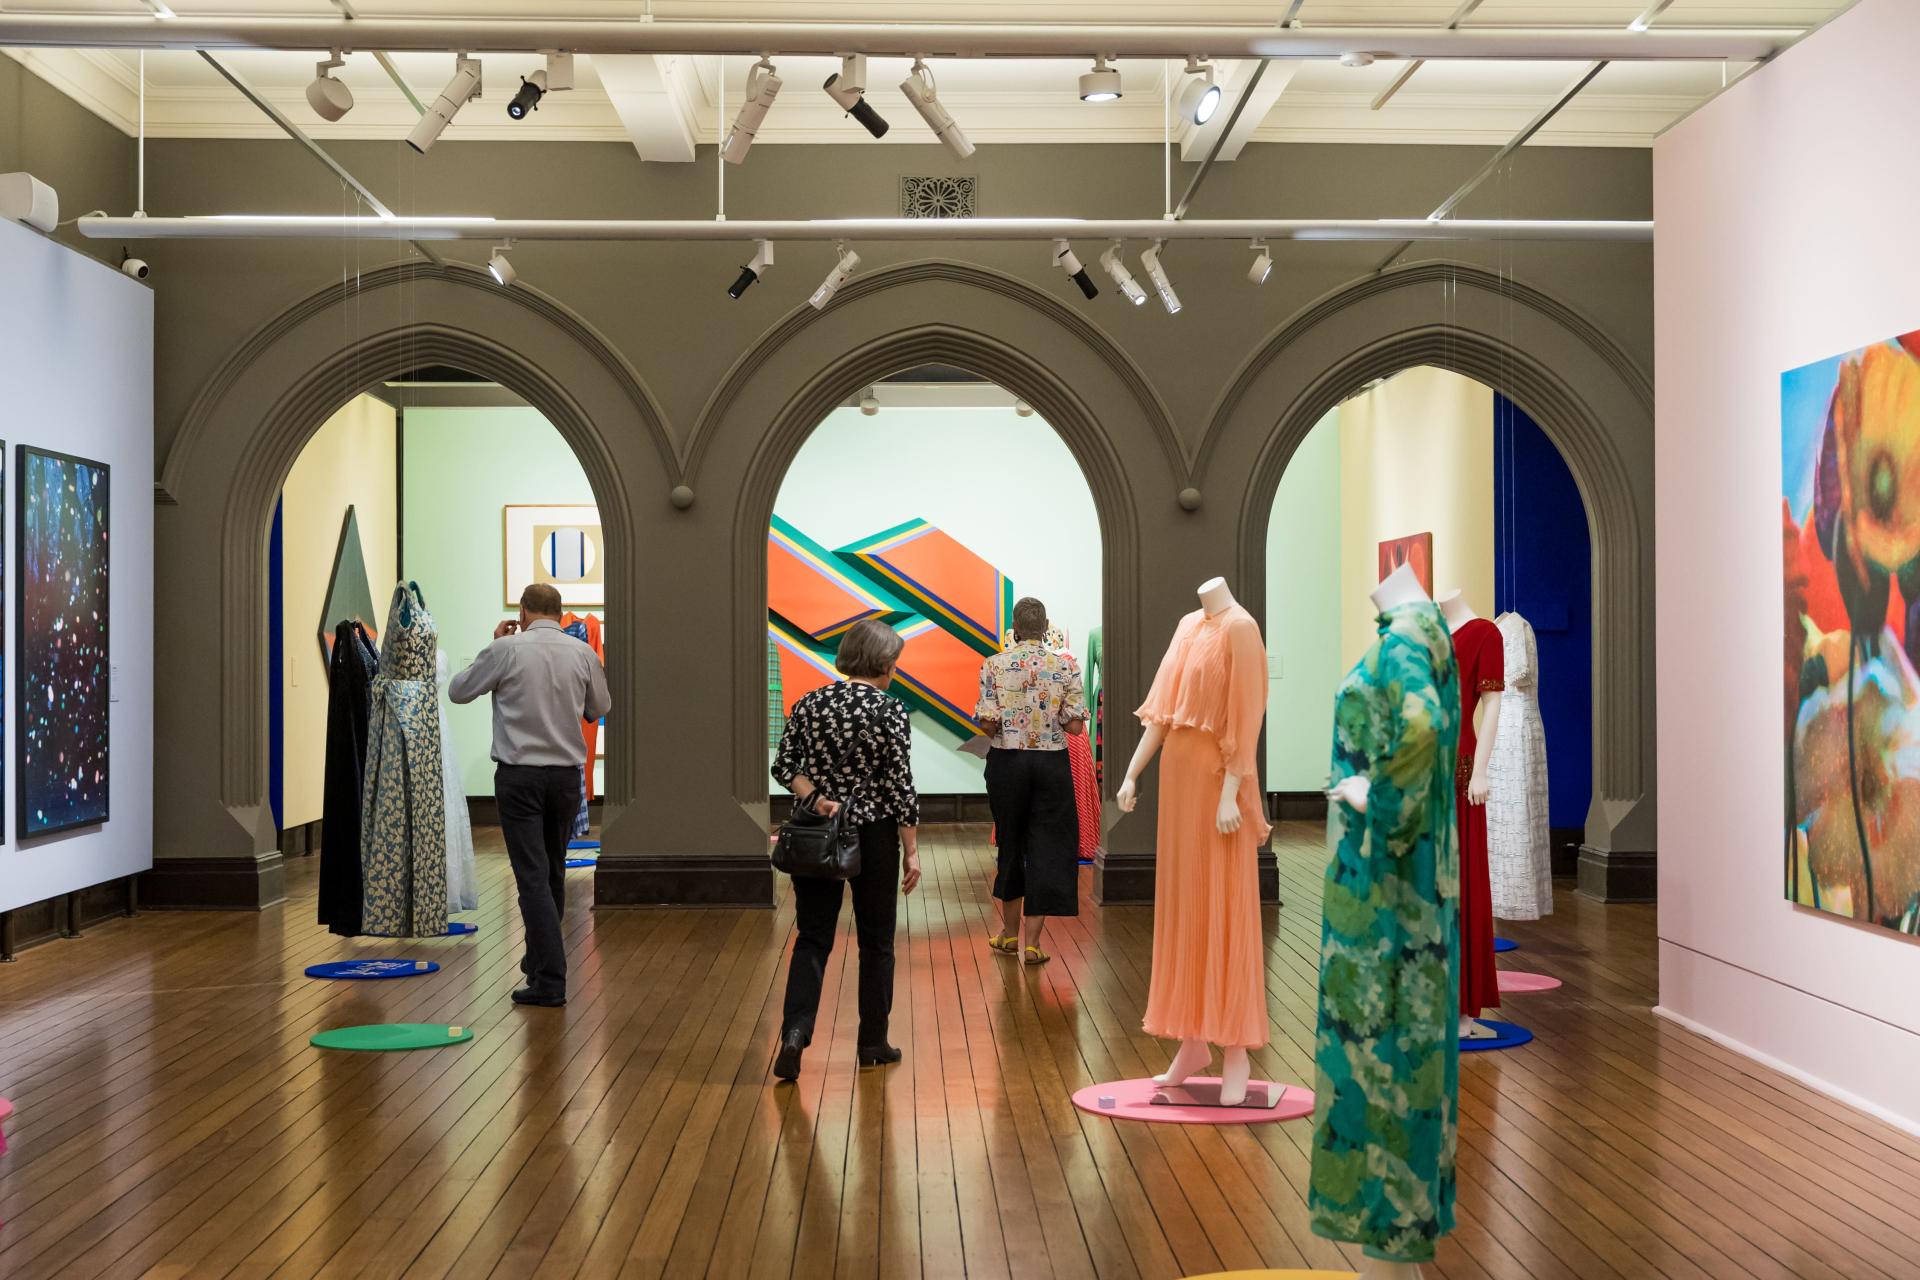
column 544, row 682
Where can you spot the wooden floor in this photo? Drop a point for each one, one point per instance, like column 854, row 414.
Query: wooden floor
column 174, row 1122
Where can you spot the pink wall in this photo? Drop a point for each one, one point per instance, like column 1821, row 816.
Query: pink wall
column 1786, row 215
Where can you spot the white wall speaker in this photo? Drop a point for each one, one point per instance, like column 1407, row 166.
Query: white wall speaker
column 24, row 198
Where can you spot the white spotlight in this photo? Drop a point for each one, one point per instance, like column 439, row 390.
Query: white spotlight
column 499, row 268
column 848, row 87
column 751, row 273
column 763, row 86
column 920, row 91
column 329, row 98
column 1065, row 259
column 1117, row 268
column 1102, row 84
column 869, row 403
column 1262, row 263
column 1200, row 97
column 462, row 89
column 1150, row 259
column 849, row 260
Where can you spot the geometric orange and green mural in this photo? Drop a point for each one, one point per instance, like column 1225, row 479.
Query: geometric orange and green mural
column 948, row 604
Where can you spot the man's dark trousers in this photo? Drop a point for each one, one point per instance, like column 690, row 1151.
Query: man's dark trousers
column 538, row 804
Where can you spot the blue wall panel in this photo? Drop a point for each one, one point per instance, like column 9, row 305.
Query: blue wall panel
column 1543, row 570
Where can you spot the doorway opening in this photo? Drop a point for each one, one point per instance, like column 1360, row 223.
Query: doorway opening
column 449, row 480
column 933, row 500
column 1438, row 470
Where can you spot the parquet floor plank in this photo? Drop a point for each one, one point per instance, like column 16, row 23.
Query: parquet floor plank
column 174, row 1123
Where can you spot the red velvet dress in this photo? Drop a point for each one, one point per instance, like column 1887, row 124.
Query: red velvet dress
column 1480, row 651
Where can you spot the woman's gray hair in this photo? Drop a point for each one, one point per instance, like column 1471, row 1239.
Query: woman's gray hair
column 868, row 650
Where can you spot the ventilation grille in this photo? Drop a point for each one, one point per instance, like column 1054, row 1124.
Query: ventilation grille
column 938, row 197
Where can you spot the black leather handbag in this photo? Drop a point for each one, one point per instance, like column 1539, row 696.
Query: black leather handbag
column 811, row 844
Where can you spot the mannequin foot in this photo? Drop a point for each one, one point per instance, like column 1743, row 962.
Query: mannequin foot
column 1233, row 1077
column 1474, row 1029
column 1381, row 1269
column 1193, row 1055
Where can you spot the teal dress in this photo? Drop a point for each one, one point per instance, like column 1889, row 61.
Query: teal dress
column 1387, row 1055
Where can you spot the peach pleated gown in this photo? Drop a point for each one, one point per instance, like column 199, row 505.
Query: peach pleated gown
column 1211, row 694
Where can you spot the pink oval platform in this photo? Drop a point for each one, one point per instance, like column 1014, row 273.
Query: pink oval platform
column 1133, row 1100
column 1513, row 982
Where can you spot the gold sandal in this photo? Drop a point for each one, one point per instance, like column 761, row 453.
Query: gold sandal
column 1006, row 946
column 1036, row 956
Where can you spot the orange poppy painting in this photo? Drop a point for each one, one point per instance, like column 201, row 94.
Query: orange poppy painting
column 1416, row 549
column 1850, row 543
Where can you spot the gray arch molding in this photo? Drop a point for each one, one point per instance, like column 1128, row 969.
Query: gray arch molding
column 1587, row 396
column 247, row 427
column 253, row 415
column 1017, row 371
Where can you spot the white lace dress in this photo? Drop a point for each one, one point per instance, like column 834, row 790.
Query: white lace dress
column 461, row 891
column 1519, row 848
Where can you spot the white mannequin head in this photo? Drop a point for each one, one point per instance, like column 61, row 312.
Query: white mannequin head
column 1215, row 596
column 1402, row 586
column 1453, row 605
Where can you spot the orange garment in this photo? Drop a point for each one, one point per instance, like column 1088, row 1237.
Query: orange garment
column 1208, row 981
column 589, row 729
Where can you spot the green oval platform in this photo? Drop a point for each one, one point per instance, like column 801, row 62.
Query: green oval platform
column 383, row 1037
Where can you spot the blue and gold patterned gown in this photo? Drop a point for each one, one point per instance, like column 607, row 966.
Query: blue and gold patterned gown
column 403, row 815
column 1387, row 1056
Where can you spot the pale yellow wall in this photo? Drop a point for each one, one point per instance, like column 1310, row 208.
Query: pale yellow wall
column 1416, row 456
column 351, row 461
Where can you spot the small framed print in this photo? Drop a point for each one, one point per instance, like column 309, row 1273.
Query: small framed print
column 560, row 545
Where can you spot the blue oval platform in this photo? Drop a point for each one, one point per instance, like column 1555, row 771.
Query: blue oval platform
column 583, row 862
column 456, row 928
column 583, row 844
column 371, row 969
column 1510, row 1037
column 1505, row 944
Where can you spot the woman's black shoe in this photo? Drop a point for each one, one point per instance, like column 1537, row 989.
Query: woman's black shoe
column 879, row 1055
column 786, row 1063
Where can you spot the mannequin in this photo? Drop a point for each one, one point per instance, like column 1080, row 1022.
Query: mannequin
column 1482, row 716
column 1384, row 1137
column 1210, row 696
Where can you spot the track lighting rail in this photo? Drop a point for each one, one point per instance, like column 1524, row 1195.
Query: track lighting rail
column 329, row 227
column 903, row 40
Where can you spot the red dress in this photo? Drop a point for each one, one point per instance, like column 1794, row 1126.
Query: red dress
column 1480, row 651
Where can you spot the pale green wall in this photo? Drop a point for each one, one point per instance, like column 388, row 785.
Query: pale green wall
column 1006, row 486
column 1303, row 612
column 459, row 468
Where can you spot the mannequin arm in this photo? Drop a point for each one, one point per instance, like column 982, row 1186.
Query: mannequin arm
column 1227, row 816
column 1150, row 739
column 1489, row 713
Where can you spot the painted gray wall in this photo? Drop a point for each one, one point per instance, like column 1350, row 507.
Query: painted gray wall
column 667, row 381
column 88, row 161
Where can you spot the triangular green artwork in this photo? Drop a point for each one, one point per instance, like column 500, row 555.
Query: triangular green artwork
column 349, row 595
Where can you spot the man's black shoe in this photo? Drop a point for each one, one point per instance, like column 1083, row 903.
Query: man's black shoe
column 527, row 995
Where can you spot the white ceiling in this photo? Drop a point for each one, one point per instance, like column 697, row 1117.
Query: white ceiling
column 668, row 105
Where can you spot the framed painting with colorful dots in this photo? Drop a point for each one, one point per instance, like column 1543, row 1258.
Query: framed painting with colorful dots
column 61, row 744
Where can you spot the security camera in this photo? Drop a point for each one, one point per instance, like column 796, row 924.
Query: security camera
column 135, row 267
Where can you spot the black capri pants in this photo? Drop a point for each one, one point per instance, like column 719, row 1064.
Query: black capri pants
column 1037, row 824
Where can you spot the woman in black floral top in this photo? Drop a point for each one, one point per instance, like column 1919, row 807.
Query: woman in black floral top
column 848, row 744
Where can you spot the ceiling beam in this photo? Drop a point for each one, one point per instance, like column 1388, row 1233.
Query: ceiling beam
column 329, row 227
column 651, row 94
column 1196, row 141
column 1010, row 40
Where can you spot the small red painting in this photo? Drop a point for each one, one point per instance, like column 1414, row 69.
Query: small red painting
column 1415, row 549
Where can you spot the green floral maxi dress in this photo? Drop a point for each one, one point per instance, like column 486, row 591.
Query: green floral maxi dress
column 1387, row 1056
column 403, row 812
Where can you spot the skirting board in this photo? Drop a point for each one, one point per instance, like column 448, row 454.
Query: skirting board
column 1809, row 1019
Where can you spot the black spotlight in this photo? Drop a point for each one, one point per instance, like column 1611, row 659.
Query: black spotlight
column 532, row 89
column 848, row 87
column 751, row 273
column 1065, row 259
